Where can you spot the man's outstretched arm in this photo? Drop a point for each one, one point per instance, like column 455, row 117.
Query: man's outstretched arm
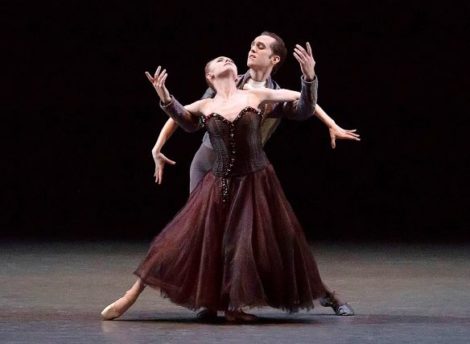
column 336, row 132
column 158, row 157
column 304, row 107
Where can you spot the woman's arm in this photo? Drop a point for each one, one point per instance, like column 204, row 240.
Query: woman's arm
column 266, row 95
column 184, row 116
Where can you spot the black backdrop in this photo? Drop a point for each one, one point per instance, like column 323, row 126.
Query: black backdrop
column 80, row 118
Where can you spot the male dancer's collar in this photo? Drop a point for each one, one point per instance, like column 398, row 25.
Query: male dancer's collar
column 243, row 79
column 257, row 84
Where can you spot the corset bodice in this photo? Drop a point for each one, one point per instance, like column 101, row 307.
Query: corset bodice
column 237, row 144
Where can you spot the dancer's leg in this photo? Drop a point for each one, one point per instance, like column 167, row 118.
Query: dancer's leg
column 208, row 315
column 239, row 316
column 331, row 299
column 201, row 164
column 120, row 306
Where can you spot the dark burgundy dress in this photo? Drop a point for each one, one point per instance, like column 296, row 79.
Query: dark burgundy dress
column 237, row 241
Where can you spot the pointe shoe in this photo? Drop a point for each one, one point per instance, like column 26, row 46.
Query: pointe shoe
column 110, row 313
column 240, row 316
column 113, row 311
column 341, row 309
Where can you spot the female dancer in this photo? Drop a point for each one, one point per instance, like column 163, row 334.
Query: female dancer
column 237, row 242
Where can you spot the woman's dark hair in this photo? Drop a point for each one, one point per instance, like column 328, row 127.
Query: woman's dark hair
column 206, row 70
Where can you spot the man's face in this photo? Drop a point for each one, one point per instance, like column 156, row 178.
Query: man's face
column 260, row 54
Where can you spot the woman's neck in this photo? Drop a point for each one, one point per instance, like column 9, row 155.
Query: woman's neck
column 225, row 87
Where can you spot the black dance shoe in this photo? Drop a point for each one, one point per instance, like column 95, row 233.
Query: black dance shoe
column 207, row 315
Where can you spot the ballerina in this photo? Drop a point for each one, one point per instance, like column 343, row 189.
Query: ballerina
column 237, row 242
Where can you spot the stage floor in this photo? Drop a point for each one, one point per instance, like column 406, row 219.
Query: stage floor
column 414, row 293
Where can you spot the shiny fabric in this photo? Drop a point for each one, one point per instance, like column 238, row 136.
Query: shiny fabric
column 245, row 248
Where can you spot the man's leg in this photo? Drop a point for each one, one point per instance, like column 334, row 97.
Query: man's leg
column 339, row 306
column 201, row 164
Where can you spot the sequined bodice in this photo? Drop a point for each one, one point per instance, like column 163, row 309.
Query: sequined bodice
column 237, row 144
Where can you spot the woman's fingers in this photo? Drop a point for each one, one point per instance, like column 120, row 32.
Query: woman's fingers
column 157, row 72
column 149, row 77
column 161, row 77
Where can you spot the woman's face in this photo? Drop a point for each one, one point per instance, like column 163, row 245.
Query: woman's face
column 221, row 66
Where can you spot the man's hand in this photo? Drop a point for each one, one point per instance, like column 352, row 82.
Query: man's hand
column 158, row 82
column 338, row 133
column 160, row 161
column 306, row 61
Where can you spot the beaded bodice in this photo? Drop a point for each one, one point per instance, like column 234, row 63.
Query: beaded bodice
column 237, row 144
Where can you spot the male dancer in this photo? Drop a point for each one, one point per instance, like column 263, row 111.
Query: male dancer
column 266, row 55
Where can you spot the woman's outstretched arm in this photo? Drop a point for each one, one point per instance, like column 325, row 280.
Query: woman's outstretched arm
column 186, row 117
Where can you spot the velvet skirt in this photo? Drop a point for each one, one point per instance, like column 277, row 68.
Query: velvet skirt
column 246, row 251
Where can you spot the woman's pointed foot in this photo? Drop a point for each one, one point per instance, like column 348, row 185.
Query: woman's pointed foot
column 119, row 307
column 110, row 312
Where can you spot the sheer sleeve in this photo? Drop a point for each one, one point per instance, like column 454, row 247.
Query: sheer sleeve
column 180, row 115
column 301, row 109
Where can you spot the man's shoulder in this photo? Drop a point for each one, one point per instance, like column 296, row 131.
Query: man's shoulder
column 272, row 84
column 275, row 85
column 242, row 79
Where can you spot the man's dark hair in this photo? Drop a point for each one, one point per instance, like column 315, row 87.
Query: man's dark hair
column 278, row 47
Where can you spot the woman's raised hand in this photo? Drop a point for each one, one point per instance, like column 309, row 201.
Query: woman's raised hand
column 158, row 82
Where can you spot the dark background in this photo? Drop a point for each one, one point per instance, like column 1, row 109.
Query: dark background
column 80, row 118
